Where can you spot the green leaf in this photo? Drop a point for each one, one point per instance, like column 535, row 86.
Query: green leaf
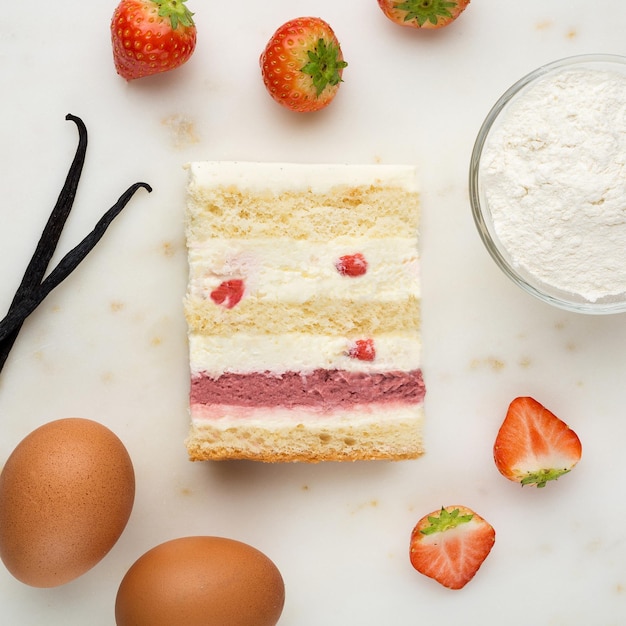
column 324, row 66
column 422, row 11
column 445, row 521
column 542, row 477
column 176, row 11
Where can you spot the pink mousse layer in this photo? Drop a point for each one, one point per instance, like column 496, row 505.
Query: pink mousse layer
column 325, row 389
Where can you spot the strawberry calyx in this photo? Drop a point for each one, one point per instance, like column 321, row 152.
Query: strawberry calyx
column 446, row 520
column 423, row 11
column 176, row 11
column 541, row 477
column 324, row 66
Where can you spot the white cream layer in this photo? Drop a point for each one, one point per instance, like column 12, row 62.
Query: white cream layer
column 245, row 353
column 319, row 178
column 297, row 271
column 224, row 416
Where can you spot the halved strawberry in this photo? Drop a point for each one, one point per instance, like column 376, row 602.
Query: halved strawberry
column 450, row 545
column 302, row 64
column 534, row 446
column 423, row 13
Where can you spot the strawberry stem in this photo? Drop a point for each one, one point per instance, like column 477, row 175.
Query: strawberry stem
column 324, row 66
column 177, row 12
column 445, row 521
column 423, row 11
column 542, row 477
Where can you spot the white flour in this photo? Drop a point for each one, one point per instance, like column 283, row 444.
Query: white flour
column 554, row 171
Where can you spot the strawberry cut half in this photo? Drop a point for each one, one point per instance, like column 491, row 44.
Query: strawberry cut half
column 534, row 446
column 450, row 545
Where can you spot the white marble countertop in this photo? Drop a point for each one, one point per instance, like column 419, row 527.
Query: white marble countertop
column 109, row 344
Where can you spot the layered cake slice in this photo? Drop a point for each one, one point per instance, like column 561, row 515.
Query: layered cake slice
column 303, row 312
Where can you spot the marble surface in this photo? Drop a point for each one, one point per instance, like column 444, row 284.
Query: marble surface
column 109, row 344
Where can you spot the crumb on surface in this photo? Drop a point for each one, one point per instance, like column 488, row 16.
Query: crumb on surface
column 492, row 362
column 168, row 249
column 544, row 25
column 182, row 130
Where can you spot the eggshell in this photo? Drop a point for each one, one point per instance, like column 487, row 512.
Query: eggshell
column 66, row 494
column 201, row 581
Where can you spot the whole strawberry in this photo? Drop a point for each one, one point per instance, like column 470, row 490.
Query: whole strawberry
column 302, row 64
column 151, row 36
column 423, row 13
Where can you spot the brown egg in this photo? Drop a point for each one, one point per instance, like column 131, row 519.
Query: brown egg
column 201, row 581
column 66, row 493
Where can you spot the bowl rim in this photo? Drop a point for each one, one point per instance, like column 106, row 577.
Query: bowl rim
column 566, row 300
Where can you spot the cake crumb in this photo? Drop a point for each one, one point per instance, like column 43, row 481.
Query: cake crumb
column 169, row 249
column 365, row 505
column 182, row 130
column 492, row 362
column 543, row 25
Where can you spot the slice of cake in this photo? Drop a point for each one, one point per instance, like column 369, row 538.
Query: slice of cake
column 303, row 310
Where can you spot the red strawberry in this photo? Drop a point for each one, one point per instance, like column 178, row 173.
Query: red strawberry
column 351, row 265
column 151, row 36
column 228, row 293
column 533, row 445
column 302, row 64
column 450, row 545
column 363, row 350
column 423, row 13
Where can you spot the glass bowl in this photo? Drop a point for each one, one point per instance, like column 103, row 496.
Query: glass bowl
column 548, row 212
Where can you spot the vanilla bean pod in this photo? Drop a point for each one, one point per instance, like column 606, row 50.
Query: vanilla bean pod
column 50, row 235
column 66, row 265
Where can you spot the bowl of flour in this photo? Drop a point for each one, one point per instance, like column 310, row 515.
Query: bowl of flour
column 548, row 183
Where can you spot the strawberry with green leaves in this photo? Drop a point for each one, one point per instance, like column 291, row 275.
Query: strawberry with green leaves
column 423, row 13
column 302, row 64
column 534, row 446
column 151, row 36
column 450, row 545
